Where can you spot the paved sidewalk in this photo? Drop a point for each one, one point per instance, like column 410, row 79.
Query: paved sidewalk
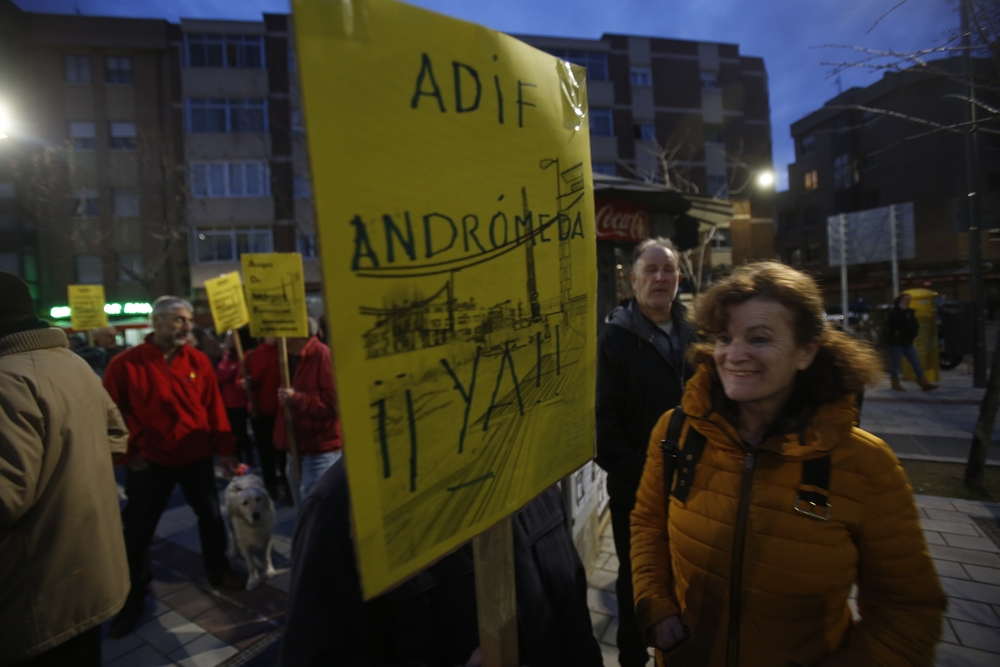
column 967, row 560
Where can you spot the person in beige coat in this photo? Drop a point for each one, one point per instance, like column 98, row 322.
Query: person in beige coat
column 63, row 569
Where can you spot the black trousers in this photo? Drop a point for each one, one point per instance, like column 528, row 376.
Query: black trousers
column 148, row 493
column 238, row 422
column 83, row 650
column 631, row 647
column 272, row 461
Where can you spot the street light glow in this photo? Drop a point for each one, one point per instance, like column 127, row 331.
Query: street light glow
column 765, row 179
column 5, row 124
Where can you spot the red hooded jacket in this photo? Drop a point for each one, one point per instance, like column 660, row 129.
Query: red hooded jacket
column 265, row 375
column 227, row 373
column 174, row 412
column 314, row 405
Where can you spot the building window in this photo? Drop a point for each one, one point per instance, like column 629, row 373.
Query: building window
column 10, row 262
column 307, row 246
column 129, row 265
column 843, row 172
column 710, row 80
column 795, row 256
column 227, row 245
column 606, row 168
column 601, row 123
column 302, row 187
column 298, row 124
column 126, row 204
column 810, row 217
column 82, row 136
column 788, row 221
column 813, row 254
column 227, row 114
column 78, row 69
column 641, row 76
column 292, row 62
column 122, row 136
column 645, row 131
column 713, row 132
column 245, row 178
column 89, row 270
column 214, row 50
column 807, row 145
column 722, row 239
column 118, row 69
column 717, row 186
column 811, row 180
column 595, row 62
column 86, row 204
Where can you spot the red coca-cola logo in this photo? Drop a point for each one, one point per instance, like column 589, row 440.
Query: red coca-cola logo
column 621, row 221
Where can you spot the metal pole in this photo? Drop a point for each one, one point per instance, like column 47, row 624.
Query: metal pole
column 895, row 251
column 972, row 181
column 843, row 271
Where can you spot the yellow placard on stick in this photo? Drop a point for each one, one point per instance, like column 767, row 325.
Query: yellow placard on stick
column 227, row 301
column 276, row 294
column 452, row 181
column 86, row 307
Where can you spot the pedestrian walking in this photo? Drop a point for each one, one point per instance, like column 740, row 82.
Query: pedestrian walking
column 107, row 340
column 262, row 383
column 168, row 394
column 778, row 506
column 312, row 399
column 62, row 556
column 902, row 328
column 641, row 371
column 234, row 398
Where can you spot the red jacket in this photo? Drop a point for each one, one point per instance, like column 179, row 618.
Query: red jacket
column 174, row 413
column 265, row 378
column 314, row 405
column 227, row 373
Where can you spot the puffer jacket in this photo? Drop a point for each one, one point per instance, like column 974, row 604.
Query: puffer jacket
column 62, row 554
column 738, row 542
column 314, row 405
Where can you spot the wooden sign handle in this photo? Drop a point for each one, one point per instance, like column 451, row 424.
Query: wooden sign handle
column 496, row 601
column 243, row 369
column 286, row 382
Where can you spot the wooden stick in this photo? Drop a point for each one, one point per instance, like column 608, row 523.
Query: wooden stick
column 90, row 337
column 243, row 369
column 496, row 601
column 289, row 424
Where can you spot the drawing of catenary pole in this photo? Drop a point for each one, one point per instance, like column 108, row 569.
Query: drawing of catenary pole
column 536, row 307
column 573, row 177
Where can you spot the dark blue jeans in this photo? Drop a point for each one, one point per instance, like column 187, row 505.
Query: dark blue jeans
column 148, row 493
column 896, row 354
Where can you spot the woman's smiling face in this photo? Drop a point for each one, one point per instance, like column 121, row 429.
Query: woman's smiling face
column 757, row 357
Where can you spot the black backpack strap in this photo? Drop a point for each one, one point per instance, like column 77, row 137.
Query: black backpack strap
column 815, row 504
column 694, row 446
column 670, row 448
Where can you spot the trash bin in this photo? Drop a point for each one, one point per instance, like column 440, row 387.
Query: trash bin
column 926, row 342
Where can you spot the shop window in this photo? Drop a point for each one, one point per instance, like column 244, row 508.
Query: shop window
column 118, row 69
column 77, row 69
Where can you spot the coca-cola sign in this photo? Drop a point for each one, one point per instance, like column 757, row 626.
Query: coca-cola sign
column 619, row 220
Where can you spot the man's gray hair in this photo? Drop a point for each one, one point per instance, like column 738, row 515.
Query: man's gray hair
column 659, row 241
column 313, row 325
column 167, row 304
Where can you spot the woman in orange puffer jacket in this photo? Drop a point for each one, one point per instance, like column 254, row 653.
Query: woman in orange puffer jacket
column 779, row 505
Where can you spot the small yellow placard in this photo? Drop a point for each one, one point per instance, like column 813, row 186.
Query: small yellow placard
column 455, row 204
column 227, row 301
column 276, row 294
column 86, row 307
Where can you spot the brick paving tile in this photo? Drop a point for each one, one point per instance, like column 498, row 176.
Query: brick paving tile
column 244, row 644
column 190, row 601
column 947, row 634
column 987, row 575
column 165, row 581
column 966, row 542
column 971, row 590
column 112, row 649
column 934, row 538
column 952, row 516
column 973, row 612
column 954, row 527
column 169, row 632
column 599, row 622
column 952, row 655
column 177, row 558
column 947, row 568
column 964, row 555
column 207, row 651
column 144, row 656
column 602, row 602
column 933, row 502
column 978, row 636
column 604, row 580
column 231, row 623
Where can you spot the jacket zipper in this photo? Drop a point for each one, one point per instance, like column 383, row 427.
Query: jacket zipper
column 736, row 574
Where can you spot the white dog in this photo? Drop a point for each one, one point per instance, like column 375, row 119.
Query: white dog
column 250, row 522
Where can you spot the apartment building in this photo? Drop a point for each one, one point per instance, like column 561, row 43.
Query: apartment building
column 691, row 115
column 850, row 157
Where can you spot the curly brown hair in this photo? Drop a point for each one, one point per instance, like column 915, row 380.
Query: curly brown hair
column 843, row 365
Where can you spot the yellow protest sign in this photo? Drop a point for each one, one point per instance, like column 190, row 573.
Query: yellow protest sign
column 227, row 301
column 86, row 307
column 452, row 181
column 276, row 294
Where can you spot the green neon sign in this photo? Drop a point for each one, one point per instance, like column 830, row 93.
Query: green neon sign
column 131, row 308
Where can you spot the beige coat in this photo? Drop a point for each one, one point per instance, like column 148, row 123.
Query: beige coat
column 62, row 555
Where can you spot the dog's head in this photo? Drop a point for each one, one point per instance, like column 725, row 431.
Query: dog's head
column 248, row 500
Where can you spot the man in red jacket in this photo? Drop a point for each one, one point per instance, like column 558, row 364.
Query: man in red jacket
column 313, row 402
column 170, row 399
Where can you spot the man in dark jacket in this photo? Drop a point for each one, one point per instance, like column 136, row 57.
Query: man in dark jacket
column 641, row 373
column 902, row 328
column 430, row 619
